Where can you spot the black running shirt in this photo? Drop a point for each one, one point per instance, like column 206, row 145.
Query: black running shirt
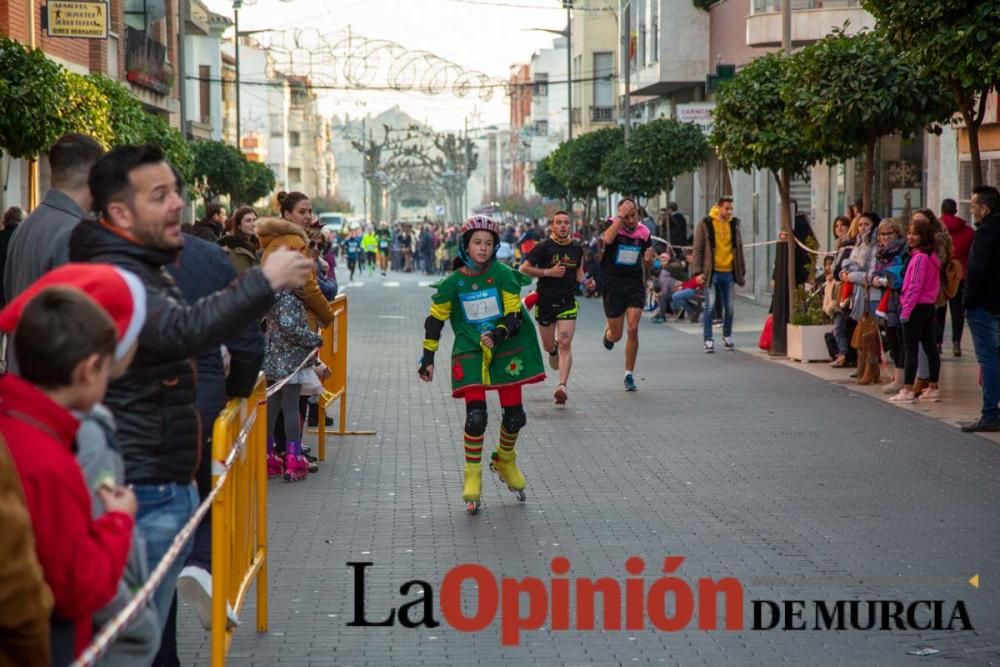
column 548, row 254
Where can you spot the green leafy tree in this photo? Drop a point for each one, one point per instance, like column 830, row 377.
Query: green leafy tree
column 30, row 99
column 954, row 40
column 127, row 117
column 655, row 155
column 219, row 169
column 84, row 108
column 545, row 181
column 756, row 128
column 330, row 205
column 175, row 148
column 577, row 163
column 257, row 181
column 879, row 92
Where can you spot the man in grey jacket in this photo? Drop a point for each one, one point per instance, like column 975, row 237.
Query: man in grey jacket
column 41, row 242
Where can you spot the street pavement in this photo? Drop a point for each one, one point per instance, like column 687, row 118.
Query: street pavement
column 799, row 488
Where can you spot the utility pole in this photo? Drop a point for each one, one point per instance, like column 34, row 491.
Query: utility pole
column 468, row 152
column 181, row 63
column 627, row 40
column 237, row 4
column 365, row 166
column 568, row 4
column 784, row 283
column 33, row 162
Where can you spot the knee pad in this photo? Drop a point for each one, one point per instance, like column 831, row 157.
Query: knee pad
column 514, row 418
column 475, row 418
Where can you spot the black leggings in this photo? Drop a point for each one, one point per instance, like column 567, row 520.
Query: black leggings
column 921, row 330
column 894, row 343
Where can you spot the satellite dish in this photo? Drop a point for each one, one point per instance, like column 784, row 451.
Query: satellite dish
column 153, row 9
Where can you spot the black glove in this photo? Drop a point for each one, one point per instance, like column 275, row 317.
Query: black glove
column 425, row 361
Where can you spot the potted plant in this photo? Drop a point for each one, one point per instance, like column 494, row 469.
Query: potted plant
column 808, row 327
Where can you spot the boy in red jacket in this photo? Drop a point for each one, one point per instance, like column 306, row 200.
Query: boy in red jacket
column 67, row 348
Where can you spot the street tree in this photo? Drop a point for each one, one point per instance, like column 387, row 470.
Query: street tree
column 577, row 163
column 83, row 108
column 655, row 155
column 128, row 119
column 256, row 181
column 546, row 183
column 447, row 158
column 955, row 41
column 756, row 128
column 879, row 92
column 30, row 99
column 219, row 169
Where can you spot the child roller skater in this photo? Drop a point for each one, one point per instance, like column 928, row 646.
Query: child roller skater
column 495, row 348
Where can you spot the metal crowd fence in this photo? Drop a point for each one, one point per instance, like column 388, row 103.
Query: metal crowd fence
column 333, row 354
column 239, row 514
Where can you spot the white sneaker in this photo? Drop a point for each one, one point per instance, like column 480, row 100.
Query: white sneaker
column 709, row 346
column 195, row 585
column 904, row 396
column 930, row 396
column 727, row 342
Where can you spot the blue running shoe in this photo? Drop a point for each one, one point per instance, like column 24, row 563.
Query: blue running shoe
column 630, row 383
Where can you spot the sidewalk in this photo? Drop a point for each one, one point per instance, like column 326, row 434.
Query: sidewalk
column 961, row 394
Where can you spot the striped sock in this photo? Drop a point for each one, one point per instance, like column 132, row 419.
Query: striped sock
column 473, row 448
column 507, row 440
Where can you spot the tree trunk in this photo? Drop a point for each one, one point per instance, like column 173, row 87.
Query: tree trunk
column 784, row 284
column 977, row 165
column 866, row 197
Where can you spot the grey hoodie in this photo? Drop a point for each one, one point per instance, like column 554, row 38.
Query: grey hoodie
column 100, row 460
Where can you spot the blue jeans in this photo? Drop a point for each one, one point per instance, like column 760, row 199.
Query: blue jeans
column 721, row 288
column 840, row 331
column 163, row 511
column 683, row 299
column 985, row 329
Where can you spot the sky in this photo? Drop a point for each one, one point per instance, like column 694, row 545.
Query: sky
column 487, row 36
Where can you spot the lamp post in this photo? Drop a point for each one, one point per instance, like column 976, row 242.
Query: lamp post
column 568, row 5
column 237, row 5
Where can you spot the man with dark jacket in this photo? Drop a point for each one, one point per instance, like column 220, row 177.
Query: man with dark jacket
column 41, row 242
column 202, row 269
column 982, row 302
column 212, row 226
column 678, row 226
column 138, row 196
column 718, row 256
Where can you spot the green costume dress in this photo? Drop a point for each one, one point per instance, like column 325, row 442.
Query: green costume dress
column 477, row 306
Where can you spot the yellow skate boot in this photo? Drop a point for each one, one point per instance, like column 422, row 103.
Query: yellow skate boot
column 472, row 491
column 504, row 463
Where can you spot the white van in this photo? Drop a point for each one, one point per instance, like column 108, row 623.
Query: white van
column 332, row 223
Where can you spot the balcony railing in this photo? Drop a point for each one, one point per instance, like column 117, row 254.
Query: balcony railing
column 601, row 114
column 146, row 62
column 768, row 6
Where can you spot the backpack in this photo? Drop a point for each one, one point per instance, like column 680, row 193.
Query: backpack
column 951, row 276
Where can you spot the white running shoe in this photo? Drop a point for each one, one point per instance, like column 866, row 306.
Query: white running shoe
column 904, row 396
column 727, row 342
column 709, row 346
column 195, row 585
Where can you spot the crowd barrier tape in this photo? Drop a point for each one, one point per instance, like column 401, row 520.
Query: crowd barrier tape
column 239, row 448
column 333, row 354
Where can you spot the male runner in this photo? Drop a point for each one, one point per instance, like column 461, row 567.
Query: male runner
column 352, row 248
column 627, row 249
column 384, row 237
column 557, row 262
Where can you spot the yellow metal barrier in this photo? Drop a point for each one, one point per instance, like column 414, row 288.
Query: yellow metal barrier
column 333, row 354
column 239, row 515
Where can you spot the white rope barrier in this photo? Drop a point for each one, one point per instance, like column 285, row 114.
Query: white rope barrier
column 110, row 631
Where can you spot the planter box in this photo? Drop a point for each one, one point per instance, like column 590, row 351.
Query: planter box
column 808, row 343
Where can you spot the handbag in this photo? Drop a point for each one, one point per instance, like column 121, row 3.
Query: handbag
column 766, row 334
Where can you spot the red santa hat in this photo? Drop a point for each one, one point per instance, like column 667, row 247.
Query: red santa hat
column 118, row 292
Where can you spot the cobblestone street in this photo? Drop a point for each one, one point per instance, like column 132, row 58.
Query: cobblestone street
column 799, row 488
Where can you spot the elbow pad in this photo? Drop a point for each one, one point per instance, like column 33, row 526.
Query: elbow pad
column 433, row 328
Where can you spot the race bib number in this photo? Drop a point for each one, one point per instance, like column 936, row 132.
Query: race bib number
column 383, row 245
column 481, row 307
column 628, row 255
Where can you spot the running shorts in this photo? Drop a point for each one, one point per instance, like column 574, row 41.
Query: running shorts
column 547, row 311
column 620, row 296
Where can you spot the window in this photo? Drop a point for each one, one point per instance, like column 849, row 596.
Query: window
column 541, row 127
column 294, row 139
column 541, row 88
column 277, row 128
column 294, row 175
column 654, row 48
column 603, row 68
column 205, row 93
